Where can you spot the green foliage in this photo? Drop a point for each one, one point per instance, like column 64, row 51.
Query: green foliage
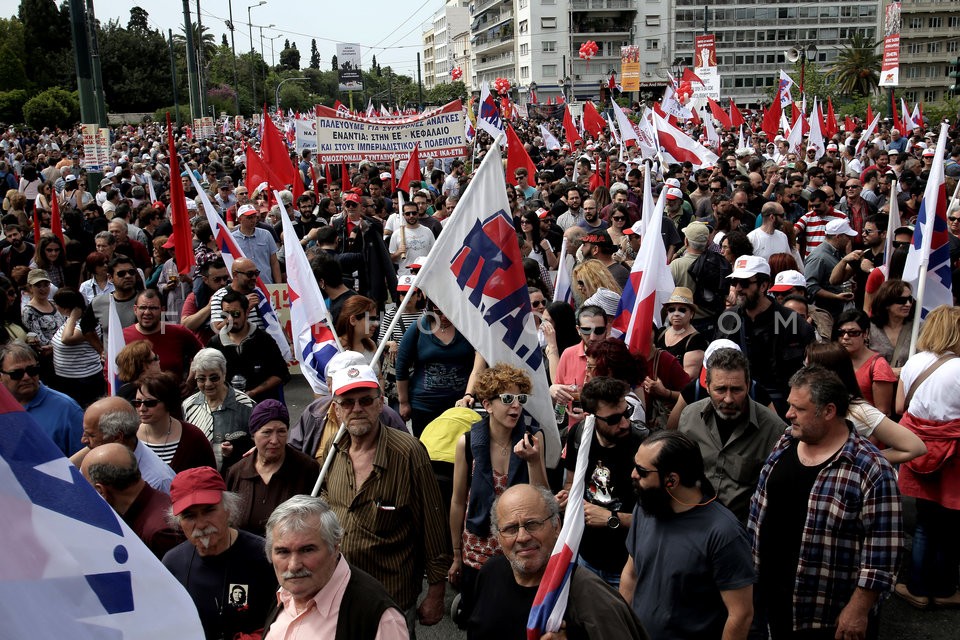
column 333, row 63
column 857, row 106
column 857, row 69
column 11, row 106
column 13, row 72
column 160, row 115
column 314, row 55
column 937, row 111
column 47, row 60
column 290, row 59
column 52, row 108
column 139, row 20
column 444, row 93
column 135, row 64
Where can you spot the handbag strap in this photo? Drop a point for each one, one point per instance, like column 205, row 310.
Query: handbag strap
column 939, row 362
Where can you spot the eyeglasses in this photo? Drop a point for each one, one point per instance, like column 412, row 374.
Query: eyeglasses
column 538, row 303
column 232, row 314
column 205, row 379
column 903, row 300
column 597, row 331
column 150, row 404
column 409, row 214
column 508, row 398
column 30, row 370
column 151, row 308
column 530, row 526
column 953, row 218
column 220, row 278
column 676, row 310
column 350, row 205
column 526, row 222
column 618, row 219
column 124, row 273
column 853, row 186
column 616, row 418
column 643, row 472
column 853, row 333
column 254, row 273
column 743, row 283
column 899, row 244
column 716, row 190
column 347, row 403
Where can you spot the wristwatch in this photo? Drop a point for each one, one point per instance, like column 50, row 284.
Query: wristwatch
column 613, row 522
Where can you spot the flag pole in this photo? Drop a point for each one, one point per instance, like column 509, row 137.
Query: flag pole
column 328, row 460
column 893, row 223
column 921, row 289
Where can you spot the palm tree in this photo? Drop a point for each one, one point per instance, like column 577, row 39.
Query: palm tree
column 857, row 69
column 201, row 36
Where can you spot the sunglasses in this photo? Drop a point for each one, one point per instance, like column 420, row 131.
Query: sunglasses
column 853, row 333
column 255, row 273
column 350, row 205
column 220, row 279
column 508, row 398
column 853, row 186
column 643, row 472
column 743, row 283
column 410, row 214
column 618, row 219
column 538, row 303
column 150, row 404
column 616, row 418
column 716, row 190
column 676, row 310
column 897, row 244
column 953, row 218
column 205, row 379
column 30, row 370
column 903, row 300
column 125, row 273
column 347, row 403
column 597, row 331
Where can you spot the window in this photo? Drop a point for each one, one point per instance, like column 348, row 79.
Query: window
column 930, row 96
column 932, row 71
column 524, row 72
column 524, row 26
column 933, row 47
column 916, row 23
column 935, row 22
column 953, row 22
column 913, row 72
column 953, row 46
column 524, row 49
column 548, row 23
column 549, row 71
column 549, row 46
column 523, row 4
column 653, row 44
column 910, row 96
column 652, row 21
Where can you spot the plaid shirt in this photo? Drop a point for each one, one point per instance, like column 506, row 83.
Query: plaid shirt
column 853, row 534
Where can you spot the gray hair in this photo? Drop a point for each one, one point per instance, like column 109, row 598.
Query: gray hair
column 728, row 360
column 116, row 476
column 549, row 501
column 119, row 426
column 107, row 236
column 825, row 388
column 300, row 513
column 209, row 360
column 18, row 351
column 232, row 504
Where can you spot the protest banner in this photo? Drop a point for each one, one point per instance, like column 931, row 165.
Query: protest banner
column 890, row 67
column 346, row 138
column 348, row 63
column 306, row 134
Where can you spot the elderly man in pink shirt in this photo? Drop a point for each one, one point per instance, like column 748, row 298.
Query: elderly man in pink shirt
column 321, row 595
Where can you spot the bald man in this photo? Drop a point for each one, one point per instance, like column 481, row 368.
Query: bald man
column 244, row 280
column 114, row 419
column 113, row 471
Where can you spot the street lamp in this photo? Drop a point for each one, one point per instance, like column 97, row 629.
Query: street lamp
column 269, row 26
column 281, row 84
column 533, row 91
column 802, row 54
column 565, row 85
column 273, row 60
column 233, row 51
column 253, row 76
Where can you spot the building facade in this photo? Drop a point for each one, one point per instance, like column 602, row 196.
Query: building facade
column 929, row 48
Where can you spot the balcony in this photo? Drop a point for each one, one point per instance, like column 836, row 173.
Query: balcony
column 489, row 63
column 482, row 5
column 603, row 5
column 604, row 27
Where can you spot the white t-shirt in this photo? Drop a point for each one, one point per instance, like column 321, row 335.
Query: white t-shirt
column 937, row 397
column 419, row 241
column 394, row 220
column 865, row 417
column 766, row 244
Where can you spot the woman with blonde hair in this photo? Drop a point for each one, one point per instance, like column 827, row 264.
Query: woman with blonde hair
column 590, row 275
column 133, row 362
column 929, row 397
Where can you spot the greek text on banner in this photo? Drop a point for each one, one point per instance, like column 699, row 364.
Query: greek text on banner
column 345, row 138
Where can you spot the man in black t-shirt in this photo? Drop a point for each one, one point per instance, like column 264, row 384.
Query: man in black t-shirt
column 608, row 496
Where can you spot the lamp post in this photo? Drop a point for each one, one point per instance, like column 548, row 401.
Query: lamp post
column 280, row 84
column 253, row 75
column 233, row 51
column 793, row 54
column 273, row 60
column 261, row 27
column 565, row 86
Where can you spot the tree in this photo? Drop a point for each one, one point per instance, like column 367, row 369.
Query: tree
column 314, row 55
column 201, row 37
column 290, row 59
column 53, row 107
column 333, row 63
column 857, row 68
column 138, row 20
column 13, row 72
column 11, row 105
column 134, row 63
column 48, row 60
column 286, row 44
column 223, row 41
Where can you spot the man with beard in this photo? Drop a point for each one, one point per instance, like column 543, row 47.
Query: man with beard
column 774, row 338
column 251, row 354
column 859, row 263
column 18, row 252
column 608, row 500
column 574, row 214
column 689, row 573
column 217, row 557
column 382, row 487
column 734, row 432
column 244, row 282
column 526, row 520
column 126, row 283
column 591, row 217
column 174, row 344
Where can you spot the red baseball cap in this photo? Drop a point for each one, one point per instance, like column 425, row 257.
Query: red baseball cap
column 351, row 197
column 200, row 485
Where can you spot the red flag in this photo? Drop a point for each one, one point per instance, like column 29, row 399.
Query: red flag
column 870, row 113
column 592, row 122
column 832, row 128
column 794, row 114
column 55, row 224
column 258, row 172
column 690, row 76
column 920, row 110
column 517, row 157
column 695, row 116
column 569, row 129
column 36, row 223
column 275, row 154
column 719, row 114
column 771, row 119
column 848, row 124
column 412, row 172
column 736, row 118
column 183, row 254
column 549, row 100
column 561, row 100
column 612, row 82
column 897, row 122
column 345, row 177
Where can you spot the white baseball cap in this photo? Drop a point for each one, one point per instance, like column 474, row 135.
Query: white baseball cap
column 787, row 280
column 747, row 266
column 357, row 376
column 839, row 226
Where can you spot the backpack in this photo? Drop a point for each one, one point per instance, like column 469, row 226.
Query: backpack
column 710, row 271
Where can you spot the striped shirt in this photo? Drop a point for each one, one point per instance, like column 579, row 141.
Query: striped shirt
column 164, row 451
column 853, row 533
column 813, row 229
column 75, row 360
column 253, row 314
column 395, row 528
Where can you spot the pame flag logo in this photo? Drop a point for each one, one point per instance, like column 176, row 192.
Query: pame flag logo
column 490, row 113
column 489, row 270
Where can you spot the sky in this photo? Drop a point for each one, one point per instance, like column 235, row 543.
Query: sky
column 395, row 38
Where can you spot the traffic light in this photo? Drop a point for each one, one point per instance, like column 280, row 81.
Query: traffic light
column 955, row 74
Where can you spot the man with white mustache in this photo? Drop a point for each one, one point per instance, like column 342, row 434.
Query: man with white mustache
column 217, row 558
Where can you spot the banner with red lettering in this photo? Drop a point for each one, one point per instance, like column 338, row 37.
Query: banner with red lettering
column 890, row 67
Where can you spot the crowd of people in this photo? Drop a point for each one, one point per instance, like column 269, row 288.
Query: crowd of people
column 746, row 477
